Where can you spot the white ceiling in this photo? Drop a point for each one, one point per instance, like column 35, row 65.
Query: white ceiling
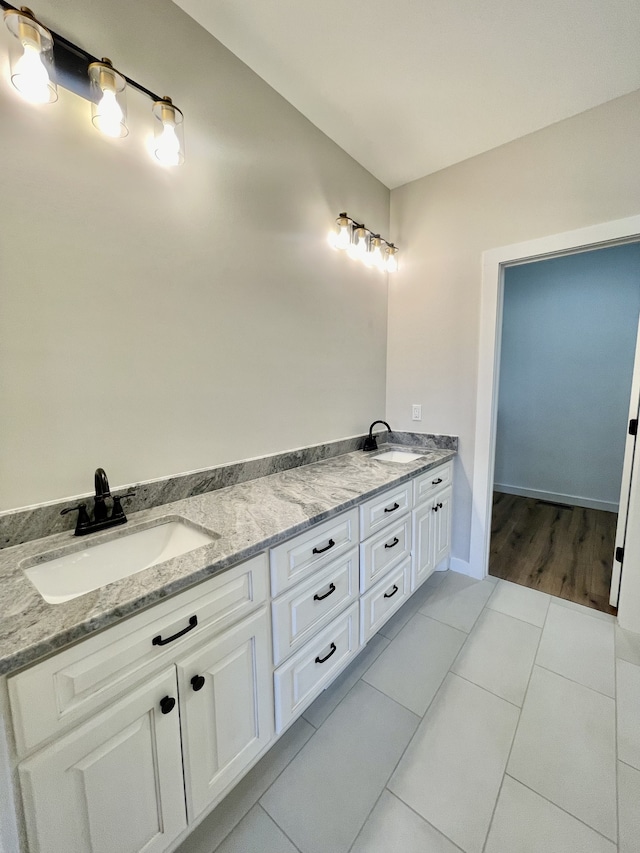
column 411, row 86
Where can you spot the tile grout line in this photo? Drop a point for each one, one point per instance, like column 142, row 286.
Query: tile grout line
column 264, row 811
column 364, row 823
column 615, row 725
column 578, row 683
column 485, row 689
column 411, row 809
column 515, row 733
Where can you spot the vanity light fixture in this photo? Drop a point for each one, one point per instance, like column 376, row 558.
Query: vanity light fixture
column 360, row 244
column 41, row 59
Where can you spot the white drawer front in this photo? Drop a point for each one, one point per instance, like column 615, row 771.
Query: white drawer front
column 76, row 682
column 381, row 602
column 309, row 670
column 428, row 484
column 303, row 555
column 382, row 552
column 310, row 605
column 383, row 510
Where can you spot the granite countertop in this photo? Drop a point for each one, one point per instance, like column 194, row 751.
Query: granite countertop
column 247, row 518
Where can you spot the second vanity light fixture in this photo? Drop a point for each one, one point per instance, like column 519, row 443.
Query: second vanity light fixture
column 363, row 245
column 38, row 56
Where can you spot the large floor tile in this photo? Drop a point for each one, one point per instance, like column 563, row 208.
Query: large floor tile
column 452, row 770
column 256, row 833
column 627, row 645
column 323, row 798
column 526, row 823
column 586, row 611
column 565, row 749
column 393, row 827
column 214, row 828
column 413, row 666
column 629, row 808
column 530, row 605
column 629, row 713
column 330, row 698
column 409, row 609
column 499, row 655
column 458, row 601
column 580, row 648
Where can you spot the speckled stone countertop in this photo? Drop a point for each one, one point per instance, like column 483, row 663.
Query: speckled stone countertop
column 247, row 518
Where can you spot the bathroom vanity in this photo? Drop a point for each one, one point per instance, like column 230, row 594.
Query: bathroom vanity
column 132, row 710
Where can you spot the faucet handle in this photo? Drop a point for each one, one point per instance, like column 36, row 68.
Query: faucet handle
column 117, row 511
column 83, row 516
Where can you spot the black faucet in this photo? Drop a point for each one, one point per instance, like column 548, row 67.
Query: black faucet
column 101, row 518
column 370, row 442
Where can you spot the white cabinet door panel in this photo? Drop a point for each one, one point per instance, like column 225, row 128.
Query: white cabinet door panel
column 114, row 785
column 442, row 526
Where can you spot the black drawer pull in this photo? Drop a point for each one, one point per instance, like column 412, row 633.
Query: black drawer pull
column 167, row 704
column 322, row 550
column 332, row 588
column 322, row 660
column 435, row 482
column 391, row 594
column 197, row 682
column 158, row 641
column 393, row 544
column 393, row 508
column 435, row 508
column 439, row 506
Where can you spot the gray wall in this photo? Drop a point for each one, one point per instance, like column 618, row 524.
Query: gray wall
column 572, row 174
column 156, row 321
column 568, row 341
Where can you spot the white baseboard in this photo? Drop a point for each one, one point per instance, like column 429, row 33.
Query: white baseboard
column 571, row 500
column 465, row 568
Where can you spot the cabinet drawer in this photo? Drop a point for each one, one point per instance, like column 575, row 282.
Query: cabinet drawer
column 305, row 554
column 381, row 602
column 383, row 510
column 381, row 553
column 60, row 691
column 312, row 604
column 427, row 484
column 310, row 669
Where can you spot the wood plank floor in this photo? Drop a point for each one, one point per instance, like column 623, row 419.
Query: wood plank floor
column 565, row 551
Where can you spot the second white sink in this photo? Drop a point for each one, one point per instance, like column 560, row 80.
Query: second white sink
column 397, row 456
column 78, row 572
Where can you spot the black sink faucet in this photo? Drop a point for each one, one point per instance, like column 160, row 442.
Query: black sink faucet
column 101, row 518
column 370, row 442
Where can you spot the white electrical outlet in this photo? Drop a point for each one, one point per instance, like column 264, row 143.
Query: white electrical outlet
column 416, row 412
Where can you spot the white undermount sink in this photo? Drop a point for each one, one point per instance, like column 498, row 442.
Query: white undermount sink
column 397, row 456
column 78, row 572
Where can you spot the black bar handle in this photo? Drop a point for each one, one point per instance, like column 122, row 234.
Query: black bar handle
column 158, row 641
column 439, row 506
column 392, row 593
column 167, row 704
column 322, row 550
column 322, row 660
column 197, row 682
column 435, row 482
column 393, row 544
column 393, row 508
column 332, row 588
column 435, row 508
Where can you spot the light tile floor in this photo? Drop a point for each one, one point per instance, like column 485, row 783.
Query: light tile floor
column 484, row 718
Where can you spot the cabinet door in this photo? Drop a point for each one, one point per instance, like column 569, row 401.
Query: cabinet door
column 423, row 550
column 113, row 785
column 442, row 526
column 226, row 708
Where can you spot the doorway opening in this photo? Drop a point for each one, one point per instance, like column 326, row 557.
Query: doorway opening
column 567, row 346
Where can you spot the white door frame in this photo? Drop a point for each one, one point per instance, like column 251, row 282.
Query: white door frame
column 494, row 263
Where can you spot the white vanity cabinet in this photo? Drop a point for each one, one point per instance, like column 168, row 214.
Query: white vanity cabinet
column 431, row 523
column 179, row 727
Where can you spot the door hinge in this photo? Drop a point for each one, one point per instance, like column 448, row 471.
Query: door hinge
column 633, row 426
column 619, row 554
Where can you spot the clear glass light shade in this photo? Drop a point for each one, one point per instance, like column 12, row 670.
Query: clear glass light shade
column 168, row 145
column 360, row 246
column 391, row 264
column 31, row 57
column 340, row 238
column 108, row 107
column 375, row 255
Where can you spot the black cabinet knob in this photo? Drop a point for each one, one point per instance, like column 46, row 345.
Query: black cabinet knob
column 167, row 704
column 197, row 682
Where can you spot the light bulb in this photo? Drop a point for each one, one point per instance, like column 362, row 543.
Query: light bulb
column 30, row 76
column 392, row 262
column 376, row 258
column 343, row 238
column 358, row 250
column 168, row 145
column 109, row 115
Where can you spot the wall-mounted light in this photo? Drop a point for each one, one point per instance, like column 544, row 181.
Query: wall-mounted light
column 360, row 244
column 32, row 57
column 41, row 57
